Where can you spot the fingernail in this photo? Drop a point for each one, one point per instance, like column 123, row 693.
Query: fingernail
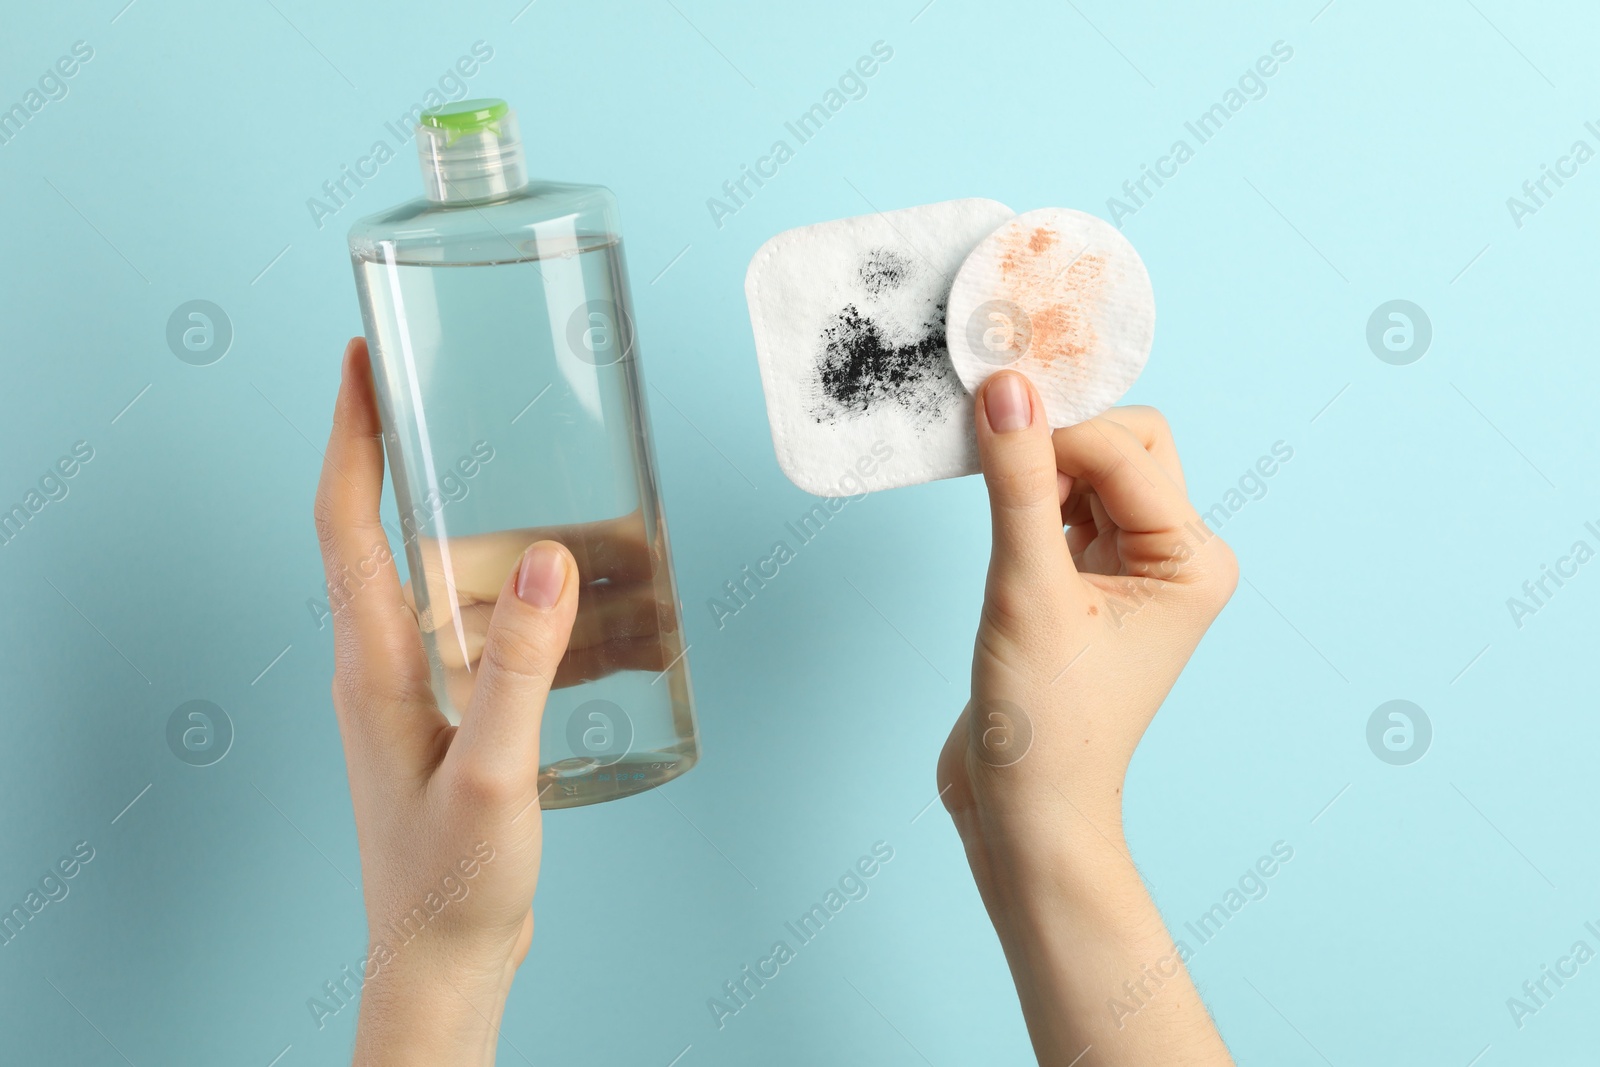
column 1005, row 401
column 543, row 573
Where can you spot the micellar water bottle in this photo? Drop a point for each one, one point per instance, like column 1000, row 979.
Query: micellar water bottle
column 497, row 314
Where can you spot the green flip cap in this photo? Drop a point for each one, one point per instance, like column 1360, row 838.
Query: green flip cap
column 466, row 116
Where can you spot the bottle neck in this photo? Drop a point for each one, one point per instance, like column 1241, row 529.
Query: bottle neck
column 472, row 167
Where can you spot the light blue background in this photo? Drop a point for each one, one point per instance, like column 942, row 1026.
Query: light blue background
column 1377, row 566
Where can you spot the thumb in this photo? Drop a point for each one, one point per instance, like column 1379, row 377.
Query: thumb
column 1030, row 551
column 498, row 741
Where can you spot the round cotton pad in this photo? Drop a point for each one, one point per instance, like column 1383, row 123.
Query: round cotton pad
column 1062, row 298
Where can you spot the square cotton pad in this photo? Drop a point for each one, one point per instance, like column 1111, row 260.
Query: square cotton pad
column 849, row 330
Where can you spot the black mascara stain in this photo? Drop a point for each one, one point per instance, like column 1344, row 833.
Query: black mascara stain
column 883, row 270
column 860, row 370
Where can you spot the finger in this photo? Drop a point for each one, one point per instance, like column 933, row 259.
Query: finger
column 378, row 651
column 1105, row 553
column 1143, row 519
column 624, row 654
column 581, row 665
column 605, row 613
column 1107, row 459
column 1153, row 432
column 609, row 612
column 497, row 745
column 1092, row 538
column 616, row 550
column 1076, row 507
column 1079, row 538
column 1019, row 468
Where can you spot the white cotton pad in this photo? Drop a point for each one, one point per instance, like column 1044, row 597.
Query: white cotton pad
column 849, row 331
column 1060, row 297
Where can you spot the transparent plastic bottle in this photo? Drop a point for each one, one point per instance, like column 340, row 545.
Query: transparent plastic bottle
column 507, row 372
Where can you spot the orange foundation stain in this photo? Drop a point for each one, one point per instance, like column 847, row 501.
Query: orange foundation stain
column 1060, row 295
